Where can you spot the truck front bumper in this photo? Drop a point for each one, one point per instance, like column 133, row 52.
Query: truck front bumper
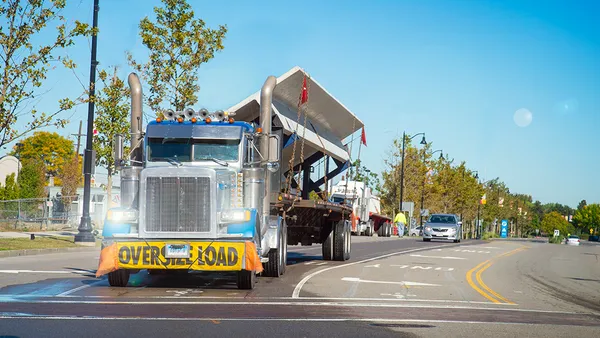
column 203, row 256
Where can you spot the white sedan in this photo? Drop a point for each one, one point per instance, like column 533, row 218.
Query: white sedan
column 573, row 240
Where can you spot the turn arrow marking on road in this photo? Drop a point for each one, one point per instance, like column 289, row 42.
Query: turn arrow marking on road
column 356, row 279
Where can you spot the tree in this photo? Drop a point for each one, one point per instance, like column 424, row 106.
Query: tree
column 362, row 174
column 24, row 64
column 179, row 44
column 554, row 221
column 31, row 180
column 51, row 148
column 581, row 204
column 71, row 178
column 10, row 190
column 588, row 218
column 111, row 119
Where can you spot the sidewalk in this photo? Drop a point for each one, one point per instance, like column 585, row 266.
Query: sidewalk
column 27, row 234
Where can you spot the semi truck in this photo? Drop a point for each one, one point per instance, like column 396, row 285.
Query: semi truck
column 219, row 191
column 367, row 218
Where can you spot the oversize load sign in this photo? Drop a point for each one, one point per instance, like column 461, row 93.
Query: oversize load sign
column 205, row 256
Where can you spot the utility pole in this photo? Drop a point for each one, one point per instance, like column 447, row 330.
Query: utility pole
column 79, row 134
column 85, row 236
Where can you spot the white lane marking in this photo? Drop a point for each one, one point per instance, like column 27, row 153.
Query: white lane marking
column 310, row 263
column 437, row 257
column 11, row 299
column 296, row 293
column 47, row 271
column 415, row 267
column 396, row 304
column 398, row 295
column 179, row 293
column 373, row 266
column 371, row 320
column 405, row 283
column 471, row 251
column 322, row 263
column 66, row 293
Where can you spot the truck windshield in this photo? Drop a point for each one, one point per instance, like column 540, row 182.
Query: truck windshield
column 186, row 150
column 206, row 150
column 164, row 149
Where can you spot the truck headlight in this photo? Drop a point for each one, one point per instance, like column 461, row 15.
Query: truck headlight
column 235, row 216
column 122, row 216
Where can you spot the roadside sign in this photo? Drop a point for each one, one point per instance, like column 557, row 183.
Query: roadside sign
column 504, row 228
column 556, row 233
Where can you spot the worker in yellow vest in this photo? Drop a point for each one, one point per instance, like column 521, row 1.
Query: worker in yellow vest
column 400, row 221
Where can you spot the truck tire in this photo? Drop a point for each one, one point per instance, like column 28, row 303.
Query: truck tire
column 246, row 280
column 387, row 229
column 348, row 244
column 118, row 278
column 341, row 246
column 328, row 246
column 275, row 267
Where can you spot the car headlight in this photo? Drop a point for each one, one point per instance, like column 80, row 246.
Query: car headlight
column 235, row 216
column 122, row 216
column 428, row 229
column 452, row 230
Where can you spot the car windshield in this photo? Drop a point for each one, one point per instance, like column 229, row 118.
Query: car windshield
column 442, row 219
column 574, row 237
column 186, row 150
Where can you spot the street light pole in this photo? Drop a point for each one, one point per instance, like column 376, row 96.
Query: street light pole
column 402, row 170
column 85, row 236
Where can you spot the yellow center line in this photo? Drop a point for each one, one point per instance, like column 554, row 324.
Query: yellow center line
column 484, row 266
column 475, row 287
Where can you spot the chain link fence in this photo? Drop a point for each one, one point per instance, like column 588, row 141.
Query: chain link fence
column 55, row 213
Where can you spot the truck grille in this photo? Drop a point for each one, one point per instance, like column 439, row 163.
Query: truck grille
column 178, row 204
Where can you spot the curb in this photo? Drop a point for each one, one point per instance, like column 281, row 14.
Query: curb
column 31, row 252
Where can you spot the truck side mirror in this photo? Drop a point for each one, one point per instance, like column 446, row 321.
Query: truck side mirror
column 118, row 151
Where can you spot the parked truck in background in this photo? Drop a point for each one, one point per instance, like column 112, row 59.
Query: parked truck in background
column 205, row 191
column 367, row 218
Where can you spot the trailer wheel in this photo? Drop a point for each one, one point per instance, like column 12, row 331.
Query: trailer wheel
column 118, row 278
column 246, row 280
column 369, row 230
column 328, row 246
column 341, row 246
column 348, row 243
column 387, row 229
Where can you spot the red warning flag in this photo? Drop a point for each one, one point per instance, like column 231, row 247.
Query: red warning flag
column 304, row 93
column 363, row 137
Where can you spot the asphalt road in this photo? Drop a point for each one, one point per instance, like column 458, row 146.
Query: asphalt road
column 390, row 287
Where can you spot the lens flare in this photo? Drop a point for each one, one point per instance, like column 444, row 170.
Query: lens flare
column 523, row 117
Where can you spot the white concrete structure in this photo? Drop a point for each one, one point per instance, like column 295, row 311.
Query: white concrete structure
column 8, row 165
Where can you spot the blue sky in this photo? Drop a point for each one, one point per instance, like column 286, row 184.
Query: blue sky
column 456, row 70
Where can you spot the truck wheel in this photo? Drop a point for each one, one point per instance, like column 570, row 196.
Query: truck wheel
column 246, row 280
column 275, row 267
column 341, row 247
column 328, row 246
column 118, row 278
column 348, row 244
column 387, row 230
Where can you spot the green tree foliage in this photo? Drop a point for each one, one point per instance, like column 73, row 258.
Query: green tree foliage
column 112, row 118
column 581, row 204
column 178, row 44
column 71, row 178
column 51, row 148
column 10, row 190
column 588, row 217
column 362, row 174
column 554, row 221
column 31, row 180
column 29, row 48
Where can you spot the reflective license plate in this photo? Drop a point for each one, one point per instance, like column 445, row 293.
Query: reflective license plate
column 177, row 251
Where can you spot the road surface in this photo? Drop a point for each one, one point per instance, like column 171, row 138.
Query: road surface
column 390, row 288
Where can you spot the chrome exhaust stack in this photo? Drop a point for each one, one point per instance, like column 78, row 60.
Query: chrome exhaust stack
column 130, row 175
column 266, row 115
